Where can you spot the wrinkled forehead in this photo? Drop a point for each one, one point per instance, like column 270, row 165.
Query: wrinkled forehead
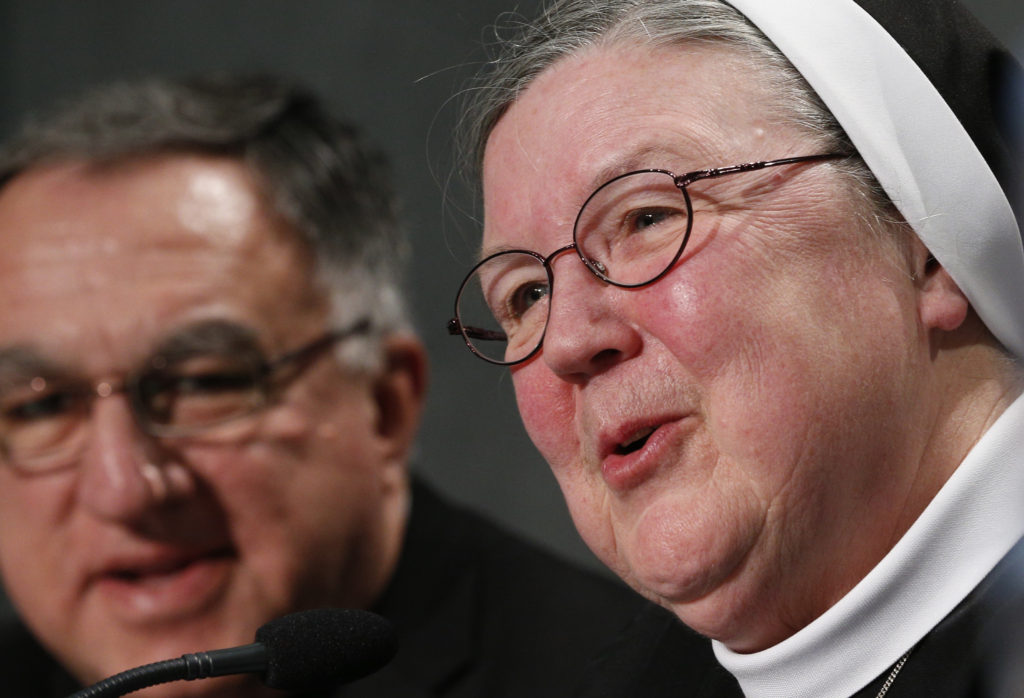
column 918, row 87
column 617, row 107
column 111, row 259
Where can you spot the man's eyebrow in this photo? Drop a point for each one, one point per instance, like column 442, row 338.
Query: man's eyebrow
column 209, row 337
column 20, row 363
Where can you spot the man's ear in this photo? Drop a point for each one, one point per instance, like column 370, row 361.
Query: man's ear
column 941, row 304
column 399, row 392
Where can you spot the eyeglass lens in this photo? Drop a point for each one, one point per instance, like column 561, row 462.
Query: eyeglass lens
column 43, row 422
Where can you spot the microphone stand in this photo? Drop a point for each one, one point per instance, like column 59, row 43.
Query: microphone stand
column 247, row 659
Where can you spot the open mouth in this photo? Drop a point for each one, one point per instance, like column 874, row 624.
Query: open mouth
column 134, row 575
column 634, row 443
column 164, row 569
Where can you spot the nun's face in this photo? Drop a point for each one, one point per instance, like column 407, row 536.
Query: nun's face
column 720, row 434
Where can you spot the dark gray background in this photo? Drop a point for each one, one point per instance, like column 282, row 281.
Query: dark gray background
column 392, row 66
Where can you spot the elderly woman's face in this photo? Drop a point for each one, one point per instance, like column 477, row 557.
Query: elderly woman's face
column 727, row 438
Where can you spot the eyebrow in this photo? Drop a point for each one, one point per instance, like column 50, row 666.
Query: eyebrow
column 19, row 363
column 488, row 251
column 209, row 337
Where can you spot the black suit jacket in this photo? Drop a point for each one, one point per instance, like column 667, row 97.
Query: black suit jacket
column 479, row 613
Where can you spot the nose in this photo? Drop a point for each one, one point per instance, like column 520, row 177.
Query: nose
column 586, row 333
column 114, row 481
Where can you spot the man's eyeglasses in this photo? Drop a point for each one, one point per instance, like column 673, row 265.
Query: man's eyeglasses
column 629, row 233
column 44, row 421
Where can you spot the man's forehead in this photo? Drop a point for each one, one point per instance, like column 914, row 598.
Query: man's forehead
column 141, row 247
column 141, row 204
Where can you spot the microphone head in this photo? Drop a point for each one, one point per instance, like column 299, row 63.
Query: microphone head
column 308, row 648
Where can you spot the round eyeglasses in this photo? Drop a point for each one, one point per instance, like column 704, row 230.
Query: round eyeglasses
column 44, row 421
column 630, row 232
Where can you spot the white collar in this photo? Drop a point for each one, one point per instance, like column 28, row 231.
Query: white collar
column 967, row 528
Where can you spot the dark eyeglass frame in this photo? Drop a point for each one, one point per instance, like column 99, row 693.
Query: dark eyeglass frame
column 270, row 376
column 682, row 181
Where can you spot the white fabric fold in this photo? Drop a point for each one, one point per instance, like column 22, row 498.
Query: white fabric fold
column 913, row 143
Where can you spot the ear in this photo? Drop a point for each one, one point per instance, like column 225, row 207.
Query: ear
column 399, row 392
column 941, row 304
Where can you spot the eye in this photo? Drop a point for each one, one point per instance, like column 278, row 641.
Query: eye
column 648, row 218
column 203, row 392
column 46, row 405
column 525, row 297
column 209, row 382
column 39, row 400
column 197, row 382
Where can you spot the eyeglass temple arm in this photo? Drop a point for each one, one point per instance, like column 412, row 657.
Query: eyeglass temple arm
column 361, row 326
column 690, row 177
column 457, row 328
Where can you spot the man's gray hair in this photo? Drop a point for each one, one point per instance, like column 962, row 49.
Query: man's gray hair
column 316, row 173
column 525, row 49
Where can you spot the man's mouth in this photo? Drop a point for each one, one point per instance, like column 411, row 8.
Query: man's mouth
column 164, row 586
column 144, row 572
column 162, row 566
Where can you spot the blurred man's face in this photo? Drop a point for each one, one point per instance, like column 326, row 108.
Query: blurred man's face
column 144, row 548
column 721, row 434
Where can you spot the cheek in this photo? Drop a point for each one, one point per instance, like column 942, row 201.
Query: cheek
column 25, row 560
column 547, row 407
column 294, row 471
column 548, row 410
column 41, row 551
column 303, row 480
column 33, row 518
column 793, row 355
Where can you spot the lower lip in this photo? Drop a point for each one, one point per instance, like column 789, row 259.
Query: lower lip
column 629, row 471
column 166, row 596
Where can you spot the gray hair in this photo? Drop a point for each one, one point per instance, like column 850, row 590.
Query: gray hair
column 331, row 188
column 566, row 27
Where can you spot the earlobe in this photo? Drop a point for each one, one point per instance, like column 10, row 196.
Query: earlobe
column 941, row 303
column 399, row 392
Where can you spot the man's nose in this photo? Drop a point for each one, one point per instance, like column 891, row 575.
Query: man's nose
column 112, row 478
column 585, row 332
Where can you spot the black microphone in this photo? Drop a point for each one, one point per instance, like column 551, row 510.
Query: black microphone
column 293, row 652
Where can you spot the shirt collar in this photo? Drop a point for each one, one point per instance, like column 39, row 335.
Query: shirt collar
column 973, row 521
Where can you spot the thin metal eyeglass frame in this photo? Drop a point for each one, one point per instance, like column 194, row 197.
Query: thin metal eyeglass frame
column 265, row 373
column 454, row 324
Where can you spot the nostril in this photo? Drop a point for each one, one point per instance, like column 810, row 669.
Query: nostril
column 606, row 357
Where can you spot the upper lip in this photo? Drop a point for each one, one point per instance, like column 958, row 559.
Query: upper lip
column 151, row 560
